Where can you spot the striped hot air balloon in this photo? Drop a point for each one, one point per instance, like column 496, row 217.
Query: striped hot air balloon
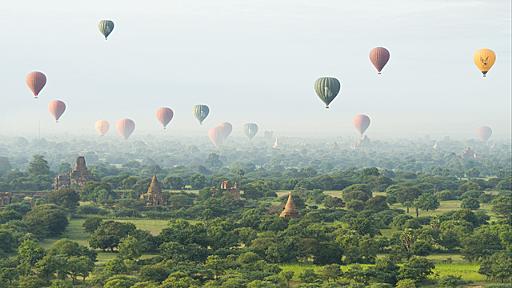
column 106, row 27
column 200, row 112
column 250, row 130
column 56, row 109
column 327, row 88
column 35, row 81
column 379, row 56
column 102, row 127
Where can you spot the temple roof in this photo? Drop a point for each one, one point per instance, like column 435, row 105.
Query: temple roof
column 154, row 186
column 289, row 210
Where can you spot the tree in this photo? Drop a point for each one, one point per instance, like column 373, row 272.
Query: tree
column 91, row 224
column 450, row 281
column 179, row 280
column 109, row 234
column 426, row 202
column 331, row 272
column 406, row 283
column 470, row 203
column 502, row 206
column 417, row 269
column 286, row 276
column 498, row 266
column 46, row 220
column 308, row 276
column 483, row 242
column 38, row 166
column 29, row 252
column 66, row 198
column 130, row 248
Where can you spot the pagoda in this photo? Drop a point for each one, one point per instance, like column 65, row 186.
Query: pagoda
column 289, row 210
column 154, row 195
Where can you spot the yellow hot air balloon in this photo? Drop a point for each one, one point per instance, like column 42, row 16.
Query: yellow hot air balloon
column 484, row 59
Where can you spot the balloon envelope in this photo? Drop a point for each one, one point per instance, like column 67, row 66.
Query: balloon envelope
column 106, row 27
column 484, row 59
column 327, row 88
column 484, row 133
column 164, row 115
column 250, row 130
column 56, row 108
column 361, row 122
column 379, row 56
column 216, row 135
column 125, row 127
column 201, row 112
column 102, row 127
column 35, row 81
column 226, row 129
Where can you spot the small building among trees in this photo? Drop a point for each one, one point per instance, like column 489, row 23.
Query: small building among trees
column 76, row 177
column 226, row 189
column 154, row 196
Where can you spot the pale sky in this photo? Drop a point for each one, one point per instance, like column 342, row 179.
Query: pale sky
column 256, row 61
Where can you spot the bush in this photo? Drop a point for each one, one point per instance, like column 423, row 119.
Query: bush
column 91, row 210
column 450, row 281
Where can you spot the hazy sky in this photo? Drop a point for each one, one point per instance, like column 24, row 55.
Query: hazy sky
column 256, row 61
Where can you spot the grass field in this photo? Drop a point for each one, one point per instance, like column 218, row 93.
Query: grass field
column 75, row 232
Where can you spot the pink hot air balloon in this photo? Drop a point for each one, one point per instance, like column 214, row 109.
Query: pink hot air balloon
column 361, row 122
column 102, row 127
column 56, row 108
column 35, row 81
column 484, row 133
column 379, row 57
column 164, row 115
column 226, row 129
column 125, row 127
column 216, row 135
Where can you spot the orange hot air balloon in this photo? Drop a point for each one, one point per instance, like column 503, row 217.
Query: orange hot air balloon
column 125, row 127
column 484, row 59
column 216, row 135
column 379, row 56
column 35, row 81
column 226, row 129
column 56, row 108
column 361, row 122
column 102, row 127
column 484, row 133
column 164, row 115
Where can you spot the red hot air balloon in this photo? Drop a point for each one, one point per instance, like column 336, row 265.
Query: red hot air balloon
column 484, row 133
column 379, row 57
column 125, row 127
column 35, row 81
column 226, row 129
column 216, row 135
column 164, row 115
column 102, row 127
column 361, row 122
column 56, row 108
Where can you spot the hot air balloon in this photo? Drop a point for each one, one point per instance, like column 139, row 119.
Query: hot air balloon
column 35, row 81
column 56, row 108
column 361, row 122
column 250, row 130
column 484, row 59
column 201, row 112
column 327, row 89
column 164, row 115
column 125, row 127
column 226, row 129
column 216, row 135
column 106, row 27
column 379, row 57
column 484, row 133
column 102, row 127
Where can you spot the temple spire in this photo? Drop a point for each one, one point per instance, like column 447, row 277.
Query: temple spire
column 289, row 210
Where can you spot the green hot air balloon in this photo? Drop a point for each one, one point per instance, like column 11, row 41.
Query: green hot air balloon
column 327, row 89
column 201, row 112
column 250, row 129
column 106, row 27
